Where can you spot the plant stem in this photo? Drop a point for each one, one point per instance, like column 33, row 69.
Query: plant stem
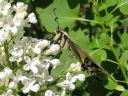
column 7, row 54
column 120, row 65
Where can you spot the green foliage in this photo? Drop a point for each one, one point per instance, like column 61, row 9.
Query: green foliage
column 66, row 11
column 100, row 27
column 125, row 93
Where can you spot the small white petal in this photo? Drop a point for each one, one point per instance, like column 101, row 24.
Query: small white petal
column 26, row 67
column 35, row 87
column 72, row 86
column 3, row 35
column 36, row 50
column 35, row 61
column 63, row 93
column 24, row 79
column 55, row 62
column 14, row 30
column 12, row 59
column 6, row 9
column 12, row 85
column 17, row 52
column 8, row 72
column 49, row 93
column 26, row 90
column 53, row 50
column 9, row 92
column 17, row 23
column 40, row 45
column 27, row 59
column 32, row 18
column 43, row 44
column 34, row 69
column 2, row 78
column 81, row 77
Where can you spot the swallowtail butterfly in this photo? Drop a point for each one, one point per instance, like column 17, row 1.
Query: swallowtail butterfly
column 64, row 40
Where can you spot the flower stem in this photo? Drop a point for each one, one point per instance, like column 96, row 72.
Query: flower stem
column 7, row 54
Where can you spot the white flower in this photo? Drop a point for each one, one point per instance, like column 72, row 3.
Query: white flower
column 55, row 62
column 5, row 76
column 30, row 86
column 68, row 83
column 16, row 78
column 4, row 35
column 32, row 18
column 80, row 77
column 40, row 45
column 4, row 7
column 53, row 50
column 16, row 54
column 12, row 85
column 44, row 76
column 70, row 80
column 14, row 30
column 2, row 78
column 8, row 72
column 6, row 27
column 8, row 93
column 18, row 18
column 49, row 93
column 20, row 7
column 75, row 67
column 46, row 65
column 23, row 79
column 31, row 64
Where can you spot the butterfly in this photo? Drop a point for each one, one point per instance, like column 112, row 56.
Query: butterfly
column 87, row 63
column 64, row 40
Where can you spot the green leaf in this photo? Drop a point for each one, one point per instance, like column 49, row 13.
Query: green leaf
column 65, row 11
column 123, row 6
column 124, row 59
column 124, row 39
column 125, row 93
column 120, row 88
column 111, row 22
column 100, row 42
column 111, row 85
column 107, row 3
column 27, row 1
column 99, row 55
column 80, row 39
column 107, row 17
column 104, row 40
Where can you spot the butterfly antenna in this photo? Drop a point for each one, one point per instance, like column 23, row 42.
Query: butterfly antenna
column 56, row 18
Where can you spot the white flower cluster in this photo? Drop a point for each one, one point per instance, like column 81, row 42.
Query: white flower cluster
column 13, row 18
column 26, row 63
column 68, row 83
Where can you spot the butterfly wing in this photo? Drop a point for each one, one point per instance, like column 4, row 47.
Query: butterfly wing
column 86, row 62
